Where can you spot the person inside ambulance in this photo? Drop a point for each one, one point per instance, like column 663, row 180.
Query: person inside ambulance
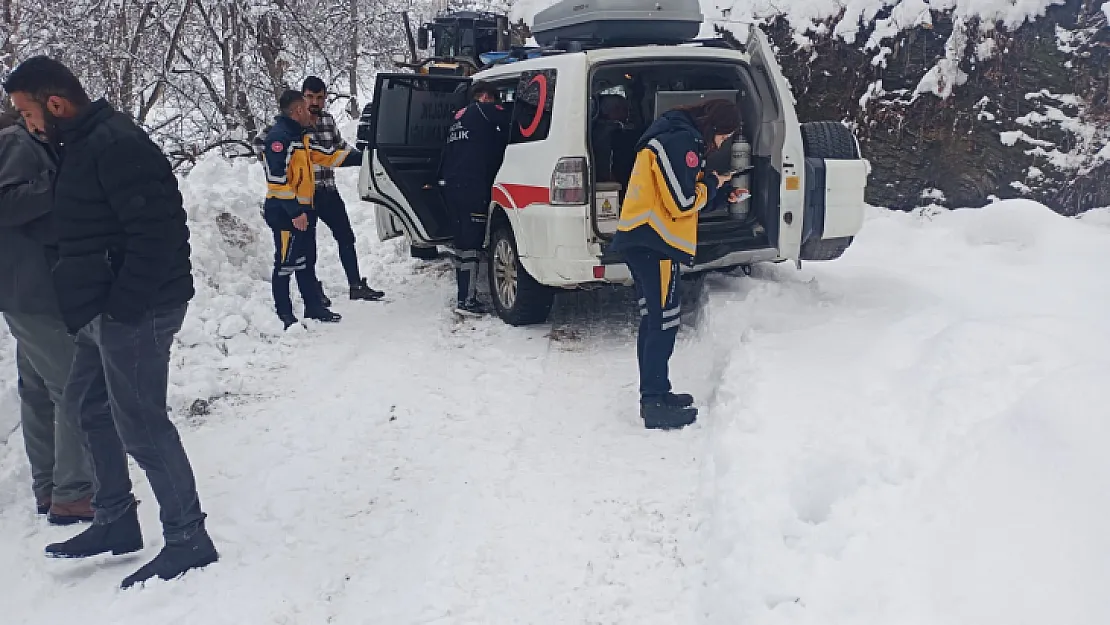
column 289, row 157
column 658, row 231
column 475, row 149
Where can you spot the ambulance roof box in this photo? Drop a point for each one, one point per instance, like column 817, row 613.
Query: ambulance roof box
column 615, row 22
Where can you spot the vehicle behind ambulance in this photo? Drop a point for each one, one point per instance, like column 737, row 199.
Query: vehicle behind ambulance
column 556, row 200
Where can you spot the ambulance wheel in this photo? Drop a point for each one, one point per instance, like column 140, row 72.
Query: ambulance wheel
column 517, row 297
column 825, row 249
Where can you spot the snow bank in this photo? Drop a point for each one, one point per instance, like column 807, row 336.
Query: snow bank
column 915, row 433
column 231, row 325
column 1096, row 216
column 912, row 434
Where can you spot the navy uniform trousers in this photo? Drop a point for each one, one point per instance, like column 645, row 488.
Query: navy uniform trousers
column 656, row 280
column 293, row 250
column 469, row 210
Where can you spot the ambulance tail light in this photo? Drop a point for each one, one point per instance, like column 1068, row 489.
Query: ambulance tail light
column 568, row 183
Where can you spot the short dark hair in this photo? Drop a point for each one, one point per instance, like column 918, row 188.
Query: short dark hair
column 42, row 78
column 714, row 117
column 288, row 98
column 484, row 88
column 313, row 84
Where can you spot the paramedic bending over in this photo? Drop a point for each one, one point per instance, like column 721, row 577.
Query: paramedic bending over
column 658, row 230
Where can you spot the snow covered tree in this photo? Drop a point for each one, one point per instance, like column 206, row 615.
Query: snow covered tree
column 204, row 75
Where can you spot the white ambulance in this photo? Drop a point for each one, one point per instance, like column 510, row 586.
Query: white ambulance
column 556, row 200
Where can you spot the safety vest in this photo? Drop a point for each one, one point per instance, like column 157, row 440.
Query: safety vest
column 666, row 190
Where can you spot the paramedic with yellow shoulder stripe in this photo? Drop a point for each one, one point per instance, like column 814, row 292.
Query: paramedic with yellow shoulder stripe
column 288, row 158
column 658, row 230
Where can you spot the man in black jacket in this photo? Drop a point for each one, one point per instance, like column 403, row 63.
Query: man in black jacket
column 124, row 282
column 60, row 472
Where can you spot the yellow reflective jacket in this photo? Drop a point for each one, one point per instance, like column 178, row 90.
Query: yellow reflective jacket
column 288, row 158
column 666, row 190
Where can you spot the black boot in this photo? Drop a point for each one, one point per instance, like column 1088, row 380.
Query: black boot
column 119, row 537
column 175, row 559
column 322, row 314
column 287, row 320
column 659, row 415
column 678, row 400
column 324, row 301
column 364, row 292
column 471, row 308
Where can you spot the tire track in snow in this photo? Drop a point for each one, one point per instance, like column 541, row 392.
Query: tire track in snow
column 550, row 504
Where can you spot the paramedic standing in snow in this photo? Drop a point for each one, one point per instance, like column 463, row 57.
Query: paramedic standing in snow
column 327, row 204
column 475, row 148
column 658, row 230
column 289, row 158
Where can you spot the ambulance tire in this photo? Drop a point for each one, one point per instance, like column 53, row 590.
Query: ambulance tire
column 518, row 299
column 828, row 140
column 832, row 140
column 825, row 249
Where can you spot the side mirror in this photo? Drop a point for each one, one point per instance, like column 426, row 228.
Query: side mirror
column 422, row 37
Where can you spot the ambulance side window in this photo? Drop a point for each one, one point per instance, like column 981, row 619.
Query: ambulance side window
column 533, row 98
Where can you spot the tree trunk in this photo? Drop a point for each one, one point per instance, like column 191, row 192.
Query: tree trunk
column 352, row 53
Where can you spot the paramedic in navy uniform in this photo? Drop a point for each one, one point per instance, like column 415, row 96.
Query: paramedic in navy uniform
column 475, row 148
column 658, row 230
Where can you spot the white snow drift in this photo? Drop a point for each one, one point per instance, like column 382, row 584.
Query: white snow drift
column 911, row 434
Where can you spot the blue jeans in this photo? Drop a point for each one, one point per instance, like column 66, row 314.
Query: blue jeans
column 656, row 279
column 118, row 387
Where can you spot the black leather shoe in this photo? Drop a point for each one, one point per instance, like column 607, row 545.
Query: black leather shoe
column 118, row 537
column 176, row 559
column 678, row 400
column 323, row 315
column 364, row 292
column 659, row 415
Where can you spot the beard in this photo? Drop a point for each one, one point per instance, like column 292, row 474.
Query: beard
column 52, row 130
column 316, row 110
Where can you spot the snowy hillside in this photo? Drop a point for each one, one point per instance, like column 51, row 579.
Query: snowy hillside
column 959, row 100
column 911, row 434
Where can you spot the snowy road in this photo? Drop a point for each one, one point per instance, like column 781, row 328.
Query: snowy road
column 912, row 434
column 412, row 469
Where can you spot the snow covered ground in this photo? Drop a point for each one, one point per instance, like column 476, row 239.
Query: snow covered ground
column 912, row 434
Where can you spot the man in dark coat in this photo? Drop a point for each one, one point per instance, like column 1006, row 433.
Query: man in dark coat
column 60, row 472
column 475, row 149
column 124, row 281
